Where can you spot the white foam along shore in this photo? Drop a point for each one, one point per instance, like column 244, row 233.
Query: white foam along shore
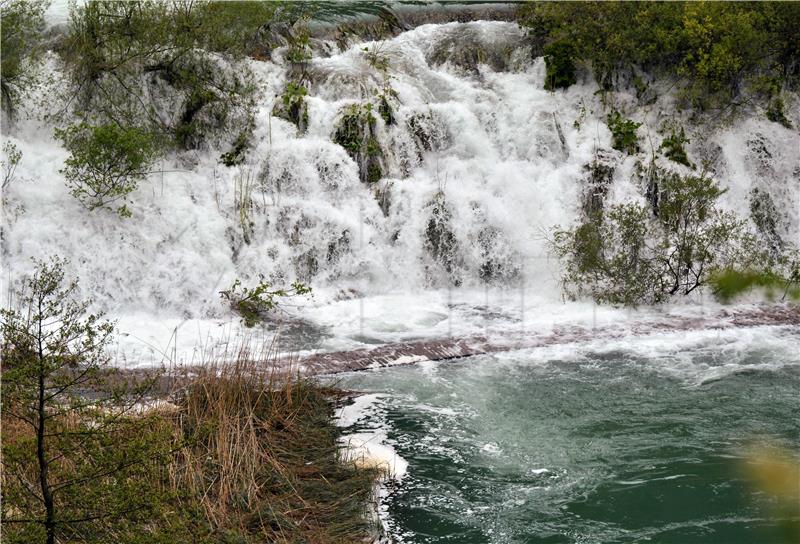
column 368, row 446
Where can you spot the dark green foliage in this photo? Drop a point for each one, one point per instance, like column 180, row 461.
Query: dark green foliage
column 22, row 22
column 673, row 147
column 75, row 467
column 253, row 303
column 385, row 110
column 559, row 58
column 717, row 49
column 775, row 112
column 730, row 283
column 627, row 255
column 106, row 162
column 152, row 63
column 292, row 106
column 356, row 132
column 236, row 155
column 299, row 51
column 623, row 133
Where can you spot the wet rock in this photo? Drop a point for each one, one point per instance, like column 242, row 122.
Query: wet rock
column 428, row 131
column 600, row 175
column 440, row 241
column 466, row 48
column 765, row 217
column 356, row 132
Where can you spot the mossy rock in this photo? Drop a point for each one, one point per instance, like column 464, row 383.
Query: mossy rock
column 765, row 217
column 356, row 133
column 440, row 239
column 428, row 131
column 466, row 49
column 601, row 174
column 292, row 106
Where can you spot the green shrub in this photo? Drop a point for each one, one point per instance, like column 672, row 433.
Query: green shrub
column 717, row 49
column 22, row 22
column 106, row 163
column 775, row 112
column 627, row 256
column 11, row 158
column 173, row 67
column 673, row 147
column 292, row 105
column 559, row 58
column 236, row 155
column 623, row 132
column 252, row 303
column 356, row 133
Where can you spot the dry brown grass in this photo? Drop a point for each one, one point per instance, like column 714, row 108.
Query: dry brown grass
column 246, row 451
column 262, row 455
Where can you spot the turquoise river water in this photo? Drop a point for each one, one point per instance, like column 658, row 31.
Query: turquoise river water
column 648, row 441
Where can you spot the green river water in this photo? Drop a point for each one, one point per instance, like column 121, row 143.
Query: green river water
column 644, row 442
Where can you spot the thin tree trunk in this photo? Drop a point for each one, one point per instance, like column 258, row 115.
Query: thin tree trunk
column 47, row 495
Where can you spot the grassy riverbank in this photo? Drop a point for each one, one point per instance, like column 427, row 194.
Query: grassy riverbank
column 234, row 454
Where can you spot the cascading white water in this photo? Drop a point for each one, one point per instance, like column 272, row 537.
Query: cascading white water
column 480, row 163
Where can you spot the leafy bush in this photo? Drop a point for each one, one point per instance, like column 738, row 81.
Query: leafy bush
column 625, row 255
column 559, row 58
column 11, row 158
column 171, row 66
column 106, row 163
column 252, row 303
column 623, row 132
column 292, row 105
column 775, row 112
column 356, row 133
column 673, row 147
column 717, row 49
column 730, row 283
column 22, row 22
column 236, row 155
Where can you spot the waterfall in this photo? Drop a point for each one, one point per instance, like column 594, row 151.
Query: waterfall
column 476, row 164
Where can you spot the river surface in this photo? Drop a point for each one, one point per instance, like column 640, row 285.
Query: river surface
column 647, row 441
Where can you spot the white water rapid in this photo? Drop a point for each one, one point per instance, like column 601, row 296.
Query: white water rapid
column 479, row 165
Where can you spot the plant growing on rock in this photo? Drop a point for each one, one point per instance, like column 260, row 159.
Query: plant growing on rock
column 172, row 67
column 292, row 105
column 252, row 303
column 11, row 157
column 623, row 133
column 356, row 133
column 440, row 239
column 106, row 163
column 775, row 111
column 673, row 147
